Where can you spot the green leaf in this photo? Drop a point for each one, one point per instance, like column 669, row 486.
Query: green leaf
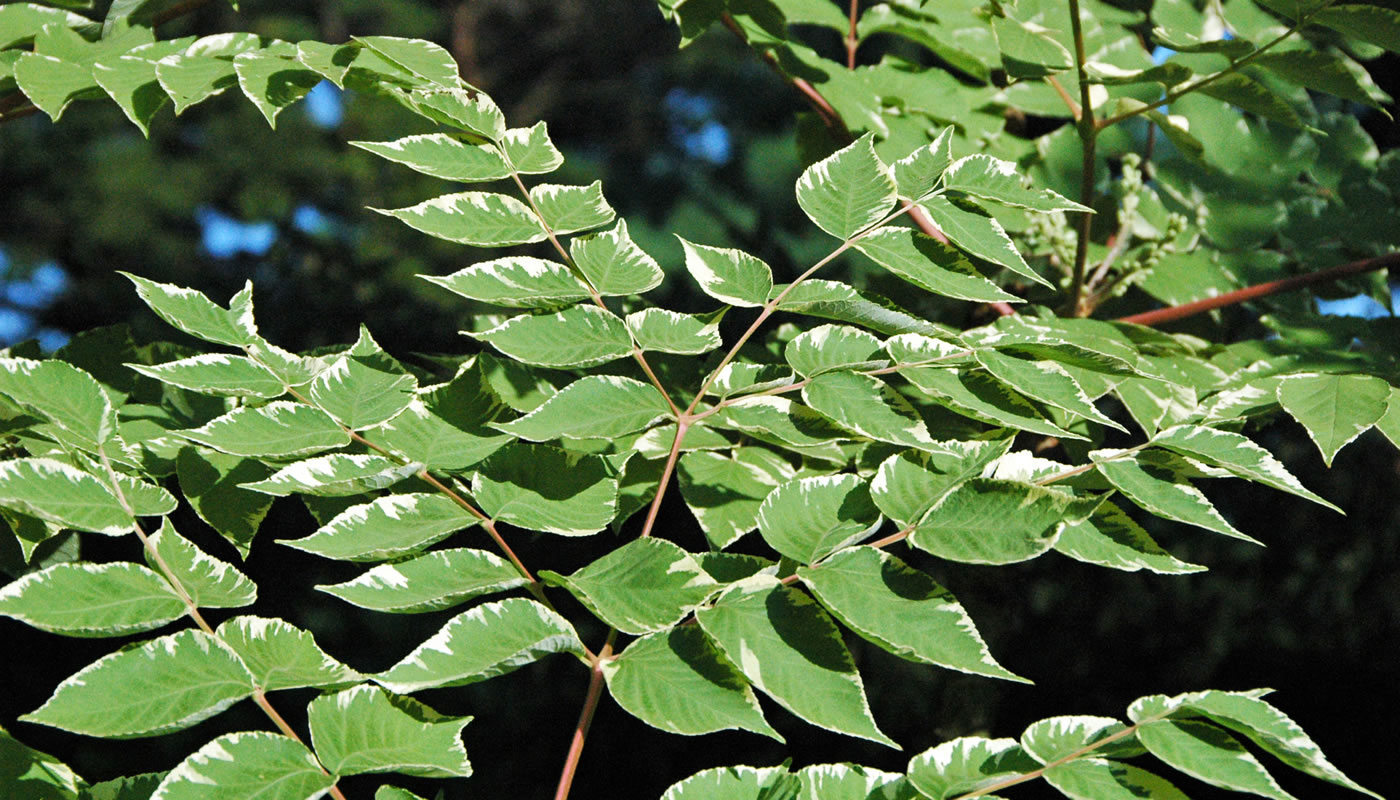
column 192, row 79
column 272, row 82
column 1026, row 52
column 832, row 347
column 1320, row 71
column 543, row 488
column 131, row 82
column 252, row 765
column 868, row 406
column 917, row 173
column 676, row 681
column 1237, row 454
column 483, row 219
column 213, row 482
column 902, row 610
column 20, row 21
column 335, row 475
column 132, row 787
column 218, row 374
column 279, row 428
column 1250, row 95
column 723, row 493
column 597, row 406
column 63, row 394
column 1045, row 381
column 515, row 281
column 430, row 582
column 91, row 599
column 966, row 765
column 394, row 793
column 644, row 586
column 1334, row 409
column 196, row 314
column 854, row 782
column 977, row 395
column 906, row 485
column 209, row 582
column 848, row 191
column 424, row 59
column 986, row 521
column 789, row 648
column 568, row 209
column 613, row 264
column 1100, row 779
column 29, row 773
column 660, row 330
column 364, row 729
column 811, row 518
column 386, row 527
column 442, row 156
column 1209, row 754
column 578, row 336
column 930, row 265
column 360, row 391
column 158, row 686
column 1377, row 25
column 838, row 301
column 470, row 111
column 735, row 783
column 1163, row 493
column 446, row 428
column 997, row 180
column 781, row 419
column 1266, row 726
column 489, row 640
column 282, row 656
column 978, row 234
column 54, row 491
column 730, row 276
column 530, row 151
column 1110, row 538
column 1057, row 738
column 51, row 83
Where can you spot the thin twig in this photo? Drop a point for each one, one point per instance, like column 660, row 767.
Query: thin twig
column 1173, row 313
column 585, row 718
column 852, row 39
column 1088, row 135
column 1074, row 109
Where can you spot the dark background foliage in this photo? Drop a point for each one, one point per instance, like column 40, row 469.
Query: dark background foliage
column 697, row 142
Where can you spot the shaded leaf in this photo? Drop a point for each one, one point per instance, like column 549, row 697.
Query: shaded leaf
column 543, row 488
column 364, row 729
column 902, row 610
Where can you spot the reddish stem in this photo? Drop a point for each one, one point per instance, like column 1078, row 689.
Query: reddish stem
column 852, row 39
column 585, row 720
column 1173, row 313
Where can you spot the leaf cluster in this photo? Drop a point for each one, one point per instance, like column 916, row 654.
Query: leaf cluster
column 856, row 439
